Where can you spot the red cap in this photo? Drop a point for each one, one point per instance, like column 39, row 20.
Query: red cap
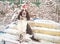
column 23, row 6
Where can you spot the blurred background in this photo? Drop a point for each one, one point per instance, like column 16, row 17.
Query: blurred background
column 43, row 9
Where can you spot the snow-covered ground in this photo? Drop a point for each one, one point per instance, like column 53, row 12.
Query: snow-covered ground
column 29, row 42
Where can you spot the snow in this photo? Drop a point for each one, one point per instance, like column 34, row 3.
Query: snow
column 29, row 42
column 47, row 37
column 43, row 28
